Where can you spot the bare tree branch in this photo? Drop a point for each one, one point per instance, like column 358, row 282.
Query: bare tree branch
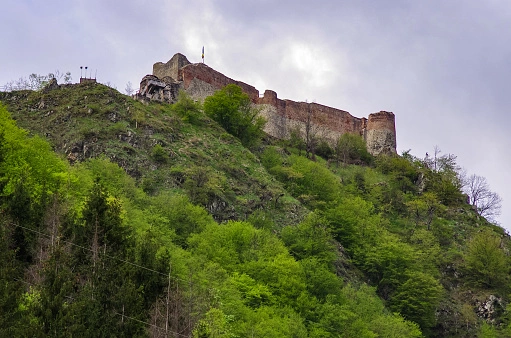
column 486, row 202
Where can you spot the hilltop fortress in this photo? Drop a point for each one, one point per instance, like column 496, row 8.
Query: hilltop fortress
column 199, row 81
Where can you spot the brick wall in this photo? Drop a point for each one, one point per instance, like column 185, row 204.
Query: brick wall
column 327, row 121
column 282, row 116
column 216, row 79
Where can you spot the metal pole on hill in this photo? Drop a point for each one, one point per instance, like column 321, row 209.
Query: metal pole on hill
column 202, row 54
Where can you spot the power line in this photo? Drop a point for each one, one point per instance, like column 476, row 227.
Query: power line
column 153, row 325
column 139, row 266
column 104, row 254
column 120, row 314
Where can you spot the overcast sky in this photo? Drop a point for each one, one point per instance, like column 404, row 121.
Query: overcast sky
column 442, row 66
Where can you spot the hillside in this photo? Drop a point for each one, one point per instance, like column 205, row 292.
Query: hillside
column 155, row 147
column 128, row 219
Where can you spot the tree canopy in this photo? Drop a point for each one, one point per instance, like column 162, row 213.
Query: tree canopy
column 233, row 110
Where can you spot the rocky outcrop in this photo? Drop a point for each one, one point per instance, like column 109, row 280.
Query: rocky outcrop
column 156, row 89
column 490, row 308
column 282, row 116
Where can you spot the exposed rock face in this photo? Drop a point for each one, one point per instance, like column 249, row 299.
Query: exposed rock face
column 490, row 308
column 282, row 116
column 163, row 90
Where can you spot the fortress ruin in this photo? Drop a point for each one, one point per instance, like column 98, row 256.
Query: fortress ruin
column 199, row 81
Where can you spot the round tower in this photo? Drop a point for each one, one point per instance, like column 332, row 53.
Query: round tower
column 380, row 133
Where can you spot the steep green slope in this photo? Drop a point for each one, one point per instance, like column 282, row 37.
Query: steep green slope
column 156, row 147
column 209, row 239
column 407, row 226
column 85, row 252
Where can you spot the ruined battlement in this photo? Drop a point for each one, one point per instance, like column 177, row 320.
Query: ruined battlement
column 171, row 68
column 200, row 81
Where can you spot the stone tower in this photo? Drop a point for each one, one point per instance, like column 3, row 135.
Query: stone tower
column 380, row 133
column 171, row 68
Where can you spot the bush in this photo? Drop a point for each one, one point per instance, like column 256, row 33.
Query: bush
column 324, row 150
column 271, row 158
column 351, row 148
column 309, row 181
column 159, row 154
column 187, row 109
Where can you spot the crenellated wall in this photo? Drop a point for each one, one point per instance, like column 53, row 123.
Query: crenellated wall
column 282, row 116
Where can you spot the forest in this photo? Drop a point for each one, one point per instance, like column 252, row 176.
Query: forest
column 124, row 219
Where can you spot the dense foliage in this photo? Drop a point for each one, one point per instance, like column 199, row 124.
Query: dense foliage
column 233, row 110
column 207, row 240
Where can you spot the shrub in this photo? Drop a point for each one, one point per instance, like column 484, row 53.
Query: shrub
column 159, row 154
column 324, row 150
column 187, row 109
column 351, row 148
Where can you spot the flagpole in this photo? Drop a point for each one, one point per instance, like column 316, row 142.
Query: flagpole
column 202, row 54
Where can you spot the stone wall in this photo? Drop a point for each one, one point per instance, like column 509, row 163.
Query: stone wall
column 282, row 116
column 171, row 68
column 325, row 122
column 199, row 71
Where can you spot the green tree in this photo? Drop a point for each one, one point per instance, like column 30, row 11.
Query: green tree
column 324, row 150
column 233, row 110
column 427, row 249
column 239, row 247
column 106, row 292
column 159, row 154
column 296, row 140
column 353, row 224
column 321, row 281
column 387, row 263
column 310, row 239
column 271, row 158
column 424, row 208
column 417, row 299
column 485, row 261
column 351, row 148
column 30, row 173
column 181, row 216
column 309, row 181
column 10, row 284
column 403, row 172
